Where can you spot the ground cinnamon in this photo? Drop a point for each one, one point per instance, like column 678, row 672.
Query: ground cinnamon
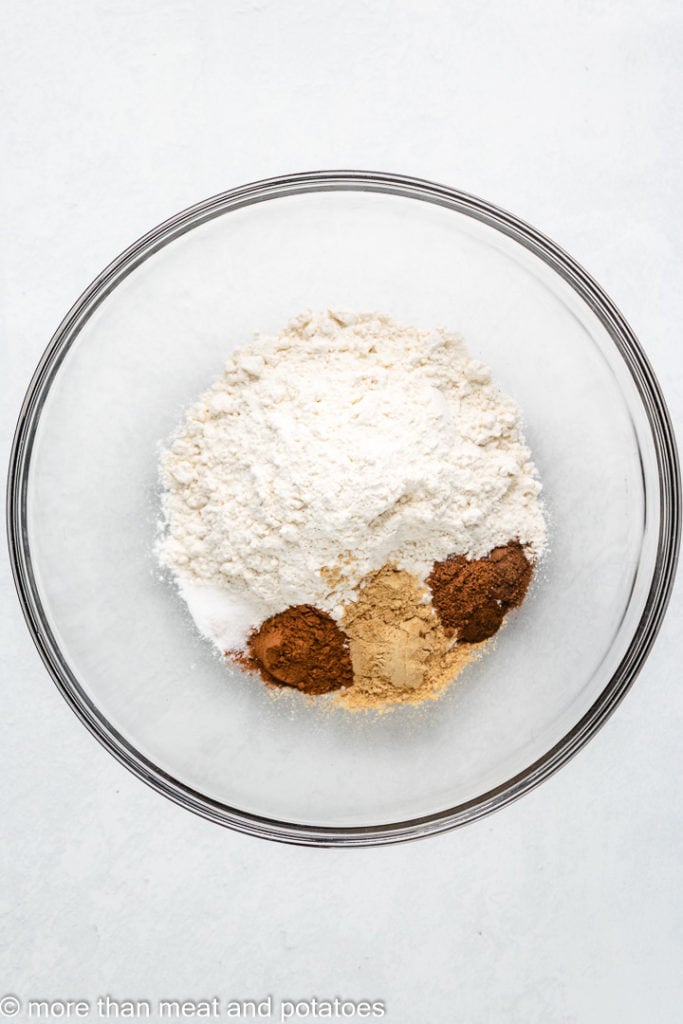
column 302, row 647
column 471, row 597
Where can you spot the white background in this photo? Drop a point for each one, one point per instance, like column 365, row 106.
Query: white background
column 565, row 907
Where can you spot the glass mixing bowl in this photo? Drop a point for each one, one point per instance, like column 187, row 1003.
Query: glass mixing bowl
column 153, row 331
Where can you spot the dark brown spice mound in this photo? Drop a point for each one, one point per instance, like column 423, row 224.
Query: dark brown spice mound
column 471, row 597
column 302, row 647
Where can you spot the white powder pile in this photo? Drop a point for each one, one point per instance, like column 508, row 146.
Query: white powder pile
column 347, row 441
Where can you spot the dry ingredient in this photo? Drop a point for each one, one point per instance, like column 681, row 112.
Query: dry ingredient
column 343, row 435
column 302, row 647
column 471, row 597
column 399, row 649
column 352, row 507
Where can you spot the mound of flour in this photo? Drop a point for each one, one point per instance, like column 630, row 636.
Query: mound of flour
column 344, row 443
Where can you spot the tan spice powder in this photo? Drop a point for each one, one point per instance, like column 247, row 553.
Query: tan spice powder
column 399, row 651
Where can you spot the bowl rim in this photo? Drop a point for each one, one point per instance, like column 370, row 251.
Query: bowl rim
column 628, row 347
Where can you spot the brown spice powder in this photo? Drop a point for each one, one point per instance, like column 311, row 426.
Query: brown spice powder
column 471, row 597
column 301, row 647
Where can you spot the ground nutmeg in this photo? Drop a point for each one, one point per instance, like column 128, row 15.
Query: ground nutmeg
column 471, row 597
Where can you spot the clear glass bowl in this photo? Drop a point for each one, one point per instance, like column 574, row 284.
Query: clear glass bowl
column 153, row 331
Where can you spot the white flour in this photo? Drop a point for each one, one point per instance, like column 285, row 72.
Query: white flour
column 346, row 441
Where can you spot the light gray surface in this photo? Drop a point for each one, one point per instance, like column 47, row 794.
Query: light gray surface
column 563, row 908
